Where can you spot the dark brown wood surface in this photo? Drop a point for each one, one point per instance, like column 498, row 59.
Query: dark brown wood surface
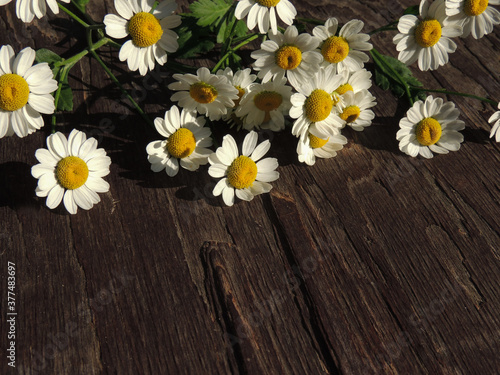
column 372, row 262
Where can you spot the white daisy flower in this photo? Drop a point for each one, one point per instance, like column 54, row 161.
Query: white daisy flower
column 476, row 17
column 211, row 95
column 265, row 105
column 343, row 50
column 495, row 118
column 427, row 40
column 356, row 112
column 245, row 175
column 241, row 80
column 186, row 141
column 26, row 10
column 149, row 30
column 312, row 147
column 354, row 81
column 263, row 13
column 288, row 53
column 24, row 92
column 313, row 105
column 430, row 126
column 71, row 170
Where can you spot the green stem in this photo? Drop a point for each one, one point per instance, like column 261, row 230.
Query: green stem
column 73, row 15
column 74, row 59
column 447, row 92
column 379, row 59
column 97, row 26
column 78, row 6
column 390, row 26
column 231, row 51
column 115, row 80
column 63, row 75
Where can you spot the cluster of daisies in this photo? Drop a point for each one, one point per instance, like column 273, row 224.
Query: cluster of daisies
column 433, row 126
column 316, row 82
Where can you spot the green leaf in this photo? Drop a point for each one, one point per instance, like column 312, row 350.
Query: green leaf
column 210, row 12
column 46, row 55
column 387, row 70
column 414, row 9
column 241, row 28
column 221, row 34
column 193, row 40
column 81, row 3
column 65, row 99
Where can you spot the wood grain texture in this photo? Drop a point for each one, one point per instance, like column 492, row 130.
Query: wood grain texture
column 368, row 263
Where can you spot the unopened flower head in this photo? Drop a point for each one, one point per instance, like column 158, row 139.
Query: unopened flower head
column 311, row 147
column 71, row 171
column 476, row 16
column 245, row 175
column 427, row 39
column 430, row 126
column 209, row 94
column 265, row 105
column 263, row 13
column 186, row 141
column 25, row 92
column 289, row 53
column 26, row 10
column 150, row 32
column 313, row 105
column 345, row 49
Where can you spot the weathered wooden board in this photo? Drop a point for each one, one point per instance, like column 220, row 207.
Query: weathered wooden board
column 369, row 263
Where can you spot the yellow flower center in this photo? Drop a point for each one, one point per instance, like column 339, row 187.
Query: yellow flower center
column 268, row 3
column 428, row 131
column 344, row 88
column 350, row 114
column 241, row 92
column 242, row 172
column 475, row 7
column 181, row 144
column 268, row 100
column 14, row 92
column 145, row 29
column 428, row 33
column 335, row 49
column 288, row 57
column 316, row 142
column 318, row 105
column 203, row 92
column 72, row 172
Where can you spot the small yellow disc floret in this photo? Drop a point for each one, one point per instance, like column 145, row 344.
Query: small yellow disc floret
column 318, row 105
column 268, row 3
column 288, row 57
column 145, row 29
column 242, row 172
column 203, row 92
column 335, row 49
column 268, row 100
column 428, row 33
column 316, row 142
column 241, row 92
column 72, row 172
column 14, row 92
column 350, row 114
column 181, row 144
column 428, row 131
column 475, row 7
